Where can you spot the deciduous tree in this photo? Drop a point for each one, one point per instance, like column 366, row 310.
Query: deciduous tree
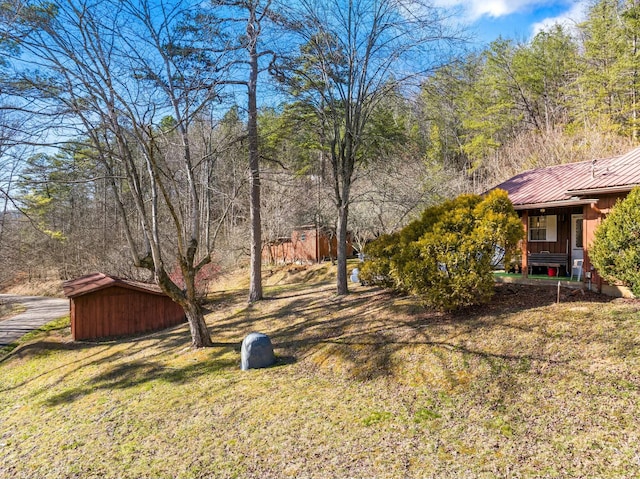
column 108, row 72
column 353, row 54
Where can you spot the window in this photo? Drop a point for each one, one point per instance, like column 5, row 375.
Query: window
column 543, row 228
column 578, row 233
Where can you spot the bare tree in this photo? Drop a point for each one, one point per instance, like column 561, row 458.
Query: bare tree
column 11, row 155
column 256, row 14
column 9, row 167
column 353, row 54
column 109, row 72
column 392, row 192
column 245, row 24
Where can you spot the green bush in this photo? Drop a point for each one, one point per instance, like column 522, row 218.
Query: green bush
column 446, row 255
column 615, row 251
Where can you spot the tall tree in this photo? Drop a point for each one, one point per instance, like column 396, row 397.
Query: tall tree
column 355, row 52
column 631, row 26
column 244, row 24
column 109, row 71
column 476, row 109
column 12, row 155
column 603, row 82
column 442, row 111
column 548, row 66
column 256, row 13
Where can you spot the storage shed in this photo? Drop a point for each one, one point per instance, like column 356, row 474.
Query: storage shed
column 307, row 244
column 104, row 306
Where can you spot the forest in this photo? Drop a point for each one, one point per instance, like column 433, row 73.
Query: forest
column 170, row 140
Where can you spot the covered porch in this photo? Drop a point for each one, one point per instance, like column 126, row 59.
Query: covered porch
column 554, row 242
column 557, row 238
column 560, row 208
column 565, row 283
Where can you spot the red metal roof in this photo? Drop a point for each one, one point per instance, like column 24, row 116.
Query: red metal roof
column 97, row 281
column 611, row 173
column 566, row 184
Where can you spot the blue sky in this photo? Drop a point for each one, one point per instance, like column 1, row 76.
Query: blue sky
column 517, row 19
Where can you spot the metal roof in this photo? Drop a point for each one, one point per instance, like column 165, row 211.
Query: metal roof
column 565, row 185
column 97, row 281
column 610, row 173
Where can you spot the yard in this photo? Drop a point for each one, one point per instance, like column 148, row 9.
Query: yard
column 371, row 385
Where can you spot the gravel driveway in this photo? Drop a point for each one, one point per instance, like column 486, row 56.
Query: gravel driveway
column 40, row 310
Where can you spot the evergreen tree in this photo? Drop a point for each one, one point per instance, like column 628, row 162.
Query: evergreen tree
column 446, row 256
column 615, row 251
column 603, row 82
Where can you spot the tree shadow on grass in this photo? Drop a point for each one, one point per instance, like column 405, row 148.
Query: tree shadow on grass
column 120, row 373
column 105, row 353
column 133, row 374
column 364, row 331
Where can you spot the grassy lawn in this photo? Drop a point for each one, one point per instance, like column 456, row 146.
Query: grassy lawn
column 371, row 385
column 501, row 274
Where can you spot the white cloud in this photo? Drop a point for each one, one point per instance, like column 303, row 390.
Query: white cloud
column 569, row 19
column 475, row 9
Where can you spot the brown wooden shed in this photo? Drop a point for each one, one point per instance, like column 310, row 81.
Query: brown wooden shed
column 104, row 306
column 307, row 244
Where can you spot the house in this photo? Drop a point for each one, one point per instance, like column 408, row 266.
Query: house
column 104, row 306
column 307, row 244
column 561, row 206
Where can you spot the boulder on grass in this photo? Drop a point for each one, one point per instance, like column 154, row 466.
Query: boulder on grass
column 256, row 352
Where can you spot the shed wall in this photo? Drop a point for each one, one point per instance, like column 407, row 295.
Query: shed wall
column 305, row 246
column 117, row 311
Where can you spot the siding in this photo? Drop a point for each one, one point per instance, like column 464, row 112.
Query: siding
column 593, row 216
column 563, row 231
column 303, row 247
column 118, row 311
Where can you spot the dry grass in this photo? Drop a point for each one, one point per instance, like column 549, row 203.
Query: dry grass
column 371, row 385
column 9, row 309
column 34, row 287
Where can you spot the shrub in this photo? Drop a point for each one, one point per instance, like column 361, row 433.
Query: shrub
column 446, row 255
column 615, row 251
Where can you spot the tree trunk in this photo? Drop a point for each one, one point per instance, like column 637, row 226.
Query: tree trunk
column 343, row 213
column 255, row 282
column 200, row 337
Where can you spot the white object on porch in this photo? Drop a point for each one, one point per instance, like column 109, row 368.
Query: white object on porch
column 577, row 266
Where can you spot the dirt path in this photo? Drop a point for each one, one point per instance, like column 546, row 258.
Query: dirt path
column 40, row 310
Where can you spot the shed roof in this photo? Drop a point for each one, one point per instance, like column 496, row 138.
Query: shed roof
column 97, row 281
column 569, row 184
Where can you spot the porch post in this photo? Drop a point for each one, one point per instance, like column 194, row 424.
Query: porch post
column 525, row 244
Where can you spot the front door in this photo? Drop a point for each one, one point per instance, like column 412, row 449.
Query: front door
column 577, row 246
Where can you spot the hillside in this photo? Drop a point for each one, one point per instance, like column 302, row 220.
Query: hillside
column 369, row 385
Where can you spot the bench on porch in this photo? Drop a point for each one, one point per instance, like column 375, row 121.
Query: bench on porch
column 550, row 260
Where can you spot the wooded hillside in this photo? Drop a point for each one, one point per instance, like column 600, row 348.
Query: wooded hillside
column 473, row 118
